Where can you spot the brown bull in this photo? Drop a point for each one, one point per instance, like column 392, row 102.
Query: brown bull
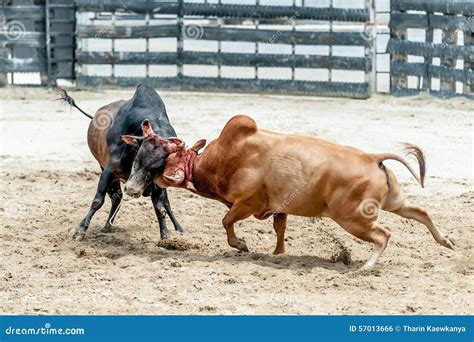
column 261, row 173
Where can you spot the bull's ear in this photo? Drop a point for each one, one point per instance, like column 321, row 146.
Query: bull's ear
column 178, row 142
column 147, row 129
column 131, row 139
column 175, row 179
column 198, row 145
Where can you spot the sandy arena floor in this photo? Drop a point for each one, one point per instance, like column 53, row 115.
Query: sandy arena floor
column 48, row 179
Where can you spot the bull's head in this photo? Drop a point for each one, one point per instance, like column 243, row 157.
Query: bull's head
column 175, row 170
column 150, row 159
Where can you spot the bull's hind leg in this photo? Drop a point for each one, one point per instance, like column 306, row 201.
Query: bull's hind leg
column 279, row 224
column 239, row 211
column 104, row 181
column 370, row 232
column 115, row 194
column 419, row 214
column 379, row 236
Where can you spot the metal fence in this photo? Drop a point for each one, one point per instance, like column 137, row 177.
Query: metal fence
column 443, row 68
column 37, row 36
column 251, row 48
column 292, row 28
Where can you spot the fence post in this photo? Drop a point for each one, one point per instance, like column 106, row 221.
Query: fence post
column 397, row 82
column 180, row 43
column 371, row 48
column 468, row 64
column 400, row 82
column 112, row 65
column 48, row 42
column 446, row 87
column 147, row 43
column 428, row 60
column 3, row 50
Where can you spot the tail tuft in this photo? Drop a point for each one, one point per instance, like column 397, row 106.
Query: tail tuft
column 63, row 96
column 416, row 152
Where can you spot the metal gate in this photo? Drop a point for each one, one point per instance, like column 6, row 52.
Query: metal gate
column 438, row 71
column 240, row 43
column 37, row 36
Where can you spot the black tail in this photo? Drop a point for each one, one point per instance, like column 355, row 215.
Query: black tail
column 63, row 96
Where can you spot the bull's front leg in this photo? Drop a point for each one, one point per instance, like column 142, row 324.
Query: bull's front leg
column 104, row 182
column 170, row 213
column 157, row 197
column 239, row 211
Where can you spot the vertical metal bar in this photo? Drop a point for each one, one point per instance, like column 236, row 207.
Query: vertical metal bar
column 4, row 50
column 468, row 64
column 83, row 45
column 147, row 43
column 257, row 24
column 428, row 60
column 74, row 41
column 448, row 37
column 114, row 18
column 180, row 43
column 48, row 42
column 293, row 45
column 379, row 53
column 219, row 45
column 372, row 48
column 331, row 6
column 397, row 82
column 400, row 81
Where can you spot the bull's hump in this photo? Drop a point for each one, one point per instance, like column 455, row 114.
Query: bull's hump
column 145, row 89
column 146, row 97
column 239, row 126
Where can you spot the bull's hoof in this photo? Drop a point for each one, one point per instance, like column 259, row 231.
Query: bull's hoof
column 364, row 271
column 165, row 237
column 278, row 251
column 241, row 245
column 108, row 228
column 447, row 242
column 366, row 268
column 180, row 230
column 78, row 234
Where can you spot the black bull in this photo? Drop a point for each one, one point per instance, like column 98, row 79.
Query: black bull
column 105, row 134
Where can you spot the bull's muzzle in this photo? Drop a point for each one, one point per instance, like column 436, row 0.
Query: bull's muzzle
column 132, row 189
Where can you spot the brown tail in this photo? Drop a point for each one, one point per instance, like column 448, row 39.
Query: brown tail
column 410, row 150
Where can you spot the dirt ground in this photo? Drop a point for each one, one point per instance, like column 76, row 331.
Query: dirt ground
column 48, row 179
